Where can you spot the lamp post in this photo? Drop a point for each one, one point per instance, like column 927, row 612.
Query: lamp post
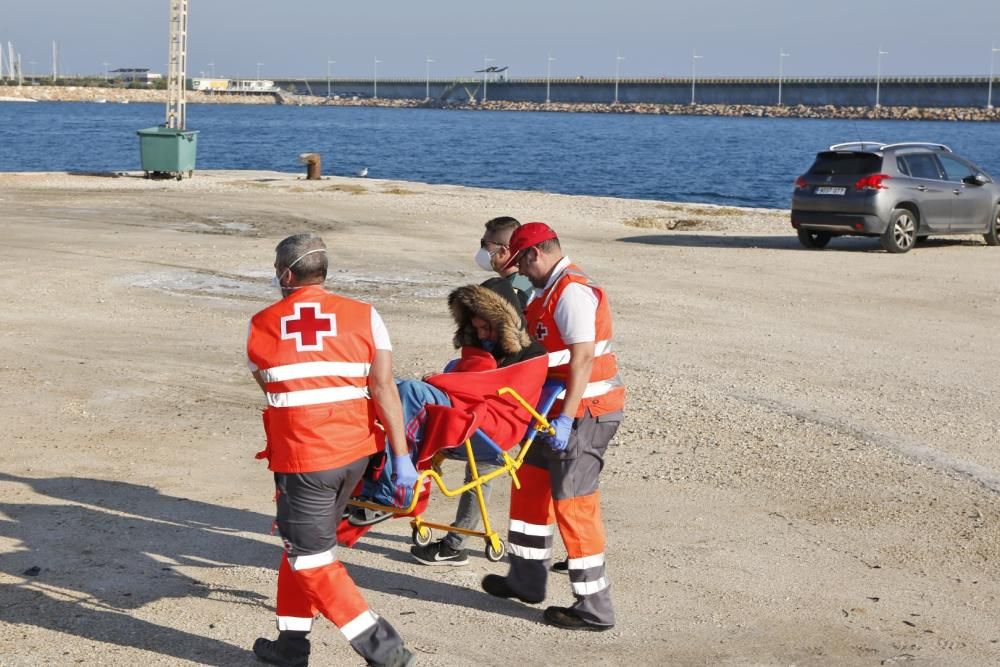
column 618, row 61
column 548, row 79
column 375, row 80
column 427, row 78
column 989, row 95
column 486, row 61
column 781, row 71
column 694, row 72
column 259, row 65
column 211, row 69
column 105, row 71
column 878, row 76
column 328, row 63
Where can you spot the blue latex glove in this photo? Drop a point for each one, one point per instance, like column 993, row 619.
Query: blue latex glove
column 404, row 475
column 563, row 424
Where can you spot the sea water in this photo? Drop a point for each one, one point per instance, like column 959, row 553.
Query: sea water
column 736, row 161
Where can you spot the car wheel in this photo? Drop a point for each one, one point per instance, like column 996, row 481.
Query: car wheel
column 992, row 234
column 813, row 240
column 901, row 234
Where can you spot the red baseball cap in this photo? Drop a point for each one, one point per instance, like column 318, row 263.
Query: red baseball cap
column 524, row 237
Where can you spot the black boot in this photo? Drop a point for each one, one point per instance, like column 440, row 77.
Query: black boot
column 290, row 650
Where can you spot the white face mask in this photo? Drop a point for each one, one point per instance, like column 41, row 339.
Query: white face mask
column 276, row 280
column 484, row 258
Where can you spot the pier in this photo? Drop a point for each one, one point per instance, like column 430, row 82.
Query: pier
column 909, row 91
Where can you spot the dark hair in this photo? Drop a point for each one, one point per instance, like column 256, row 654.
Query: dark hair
column 308, row 267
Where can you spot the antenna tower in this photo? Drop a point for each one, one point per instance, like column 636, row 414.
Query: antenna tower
column 177, row 65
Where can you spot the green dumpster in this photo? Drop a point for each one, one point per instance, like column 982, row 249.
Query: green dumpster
column 167, row 151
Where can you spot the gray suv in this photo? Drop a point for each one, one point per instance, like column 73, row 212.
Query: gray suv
column 897, row 192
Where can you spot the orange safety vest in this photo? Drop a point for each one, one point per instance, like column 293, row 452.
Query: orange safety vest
column 605, row 391
column 314, row 350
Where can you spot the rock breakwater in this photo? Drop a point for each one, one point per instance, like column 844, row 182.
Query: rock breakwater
column 93, row 94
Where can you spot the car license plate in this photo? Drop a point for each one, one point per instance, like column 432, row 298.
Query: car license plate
column 830, row 191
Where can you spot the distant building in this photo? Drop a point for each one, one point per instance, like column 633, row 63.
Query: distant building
column 135, row 75
column 211, row 85
column 233, row 85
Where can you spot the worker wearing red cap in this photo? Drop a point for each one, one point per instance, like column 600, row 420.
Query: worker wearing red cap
column 570, row 316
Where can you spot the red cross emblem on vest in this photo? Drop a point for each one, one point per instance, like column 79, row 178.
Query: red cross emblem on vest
column 541, row 331
column 307, row 327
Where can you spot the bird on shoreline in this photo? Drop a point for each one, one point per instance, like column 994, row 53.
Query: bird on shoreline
column 363, row 173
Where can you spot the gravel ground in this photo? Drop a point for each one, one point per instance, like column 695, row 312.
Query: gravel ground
column 808, row 474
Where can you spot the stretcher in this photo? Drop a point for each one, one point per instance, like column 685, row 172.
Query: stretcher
column 429, row 470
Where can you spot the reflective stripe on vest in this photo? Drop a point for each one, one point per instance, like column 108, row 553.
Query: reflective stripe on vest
column 294, row 399
column 315, row 369
column 561, row 357
column 595, row 389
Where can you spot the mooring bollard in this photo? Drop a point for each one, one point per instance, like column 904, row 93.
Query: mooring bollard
column 312, row 162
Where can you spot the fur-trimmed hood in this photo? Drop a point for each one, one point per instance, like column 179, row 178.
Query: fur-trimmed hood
column 496, row 302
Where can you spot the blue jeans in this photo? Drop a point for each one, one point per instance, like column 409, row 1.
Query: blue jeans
column 415, row 395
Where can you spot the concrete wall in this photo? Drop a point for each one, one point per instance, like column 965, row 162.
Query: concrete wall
column 908, row 91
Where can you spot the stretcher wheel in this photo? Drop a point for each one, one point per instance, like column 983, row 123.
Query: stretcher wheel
column 422, row 536
column 495, row 556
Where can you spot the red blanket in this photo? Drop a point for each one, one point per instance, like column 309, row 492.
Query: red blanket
column 475, row 404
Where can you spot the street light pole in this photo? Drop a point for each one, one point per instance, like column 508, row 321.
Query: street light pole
column 781, row 71
column 259, row 65
column 486, row 61
column 548, row 79
column 105, row 71
column 989, row 95
column 328, row 63
column 878, row 76
column 618, row 60
column 211, row 69
column 694, row 72
column 375, row 80
column 427, row 78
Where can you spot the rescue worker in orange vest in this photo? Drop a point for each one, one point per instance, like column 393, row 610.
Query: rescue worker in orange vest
column 570, row 316
column 324, row 363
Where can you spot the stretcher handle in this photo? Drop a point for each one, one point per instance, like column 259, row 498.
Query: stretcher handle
column 542, row 425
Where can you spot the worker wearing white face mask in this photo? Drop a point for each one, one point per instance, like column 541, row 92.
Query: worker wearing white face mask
column 494, row 252
column 324, row 363
column 280, row 281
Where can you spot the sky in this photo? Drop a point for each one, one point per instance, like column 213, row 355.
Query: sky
column 654, row 38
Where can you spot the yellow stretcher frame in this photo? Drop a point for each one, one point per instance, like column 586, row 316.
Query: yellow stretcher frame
column 421, row 530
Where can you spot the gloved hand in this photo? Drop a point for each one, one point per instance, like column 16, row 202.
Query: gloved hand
column 404, row 476
column 563, row 424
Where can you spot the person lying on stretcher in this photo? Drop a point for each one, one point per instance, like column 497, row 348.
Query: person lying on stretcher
column 495, row 351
